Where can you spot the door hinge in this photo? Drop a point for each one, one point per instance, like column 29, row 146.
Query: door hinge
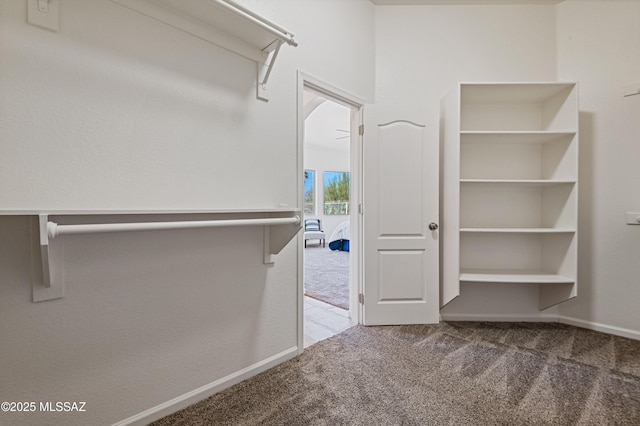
column 361, row 130
column 360, row 209
column 361, row 298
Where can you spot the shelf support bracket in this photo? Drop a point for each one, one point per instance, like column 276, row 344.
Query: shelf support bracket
column 275, row 238
column 43, row 220
column 266, row 246
column 47, row 281
column 269, row 53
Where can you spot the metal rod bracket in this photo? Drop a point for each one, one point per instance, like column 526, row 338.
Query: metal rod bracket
column 47, row 280
column 270, row 53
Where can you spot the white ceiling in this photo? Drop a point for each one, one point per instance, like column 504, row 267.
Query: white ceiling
column 327, row 124
column 454, row 2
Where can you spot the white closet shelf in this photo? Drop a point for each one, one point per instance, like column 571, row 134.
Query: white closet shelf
column 524, row 182
column 118, row 212
column 508, row 92
column 537, row 135
column 533, row 137
column 224, row 23
column 516, row 276
column 519, row 230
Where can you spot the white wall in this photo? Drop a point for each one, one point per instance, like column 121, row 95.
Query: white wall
column 423, row 52
column 138, row 105
column 323, row 153
column 148, row 318
column 598, row 45
column 101, row 116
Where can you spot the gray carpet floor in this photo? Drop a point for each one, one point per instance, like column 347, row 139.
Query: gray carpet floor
column 447, row 374
column 326, row 275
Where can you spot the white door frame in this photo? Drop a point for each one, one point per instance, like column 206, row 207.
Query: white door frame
column 356, row 235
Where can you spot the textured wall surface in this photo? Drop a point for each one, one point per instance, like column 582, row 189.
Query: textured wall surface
column 598, row 45
column 118, row 111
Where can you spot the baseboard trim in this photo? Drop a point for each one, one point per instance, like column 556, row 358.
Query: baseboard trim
column 589, row 325
column 500, row 317
column 609, row 329
column 206, row 391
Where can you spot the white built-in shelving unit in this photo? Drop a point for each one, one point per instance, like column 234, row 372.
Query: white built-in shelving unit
column 510, row 187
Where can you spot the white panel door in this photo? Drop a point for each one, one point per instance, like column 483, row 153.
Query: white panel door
column 400, row 250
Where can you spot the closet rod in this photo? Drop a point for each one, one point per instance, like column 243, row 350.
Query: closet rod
column 260, row 21
column 53, row 229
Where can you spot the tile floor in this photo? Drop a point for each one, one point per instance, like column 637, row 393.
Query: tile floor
column 322, row 320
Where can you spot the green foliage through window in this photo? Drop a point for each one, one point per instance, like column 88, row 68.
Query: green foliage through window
column 336, row 193
column 309, row 192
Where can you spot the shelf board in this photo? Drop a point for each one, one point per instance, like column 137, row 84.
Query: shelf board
column 512, row 276
column 512, row 92
column 224, row 23
column 519, row 230
column 524, row 182
column 54, row 212
column 532, row 137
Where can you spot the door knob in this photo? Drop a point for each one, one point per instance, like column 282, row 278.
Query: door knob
column 433, row 226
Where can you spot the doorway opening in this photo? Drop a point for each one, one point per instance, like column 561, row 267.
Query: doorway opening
column 330, row 164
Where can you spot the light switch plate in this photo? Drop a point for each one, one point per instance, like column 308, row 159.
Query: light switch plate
column 44, row 14
column 633, row 218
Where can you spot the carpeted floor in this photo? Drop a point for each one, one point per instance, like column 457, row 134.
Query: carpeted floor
column 326, row 275
column 447, row 374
